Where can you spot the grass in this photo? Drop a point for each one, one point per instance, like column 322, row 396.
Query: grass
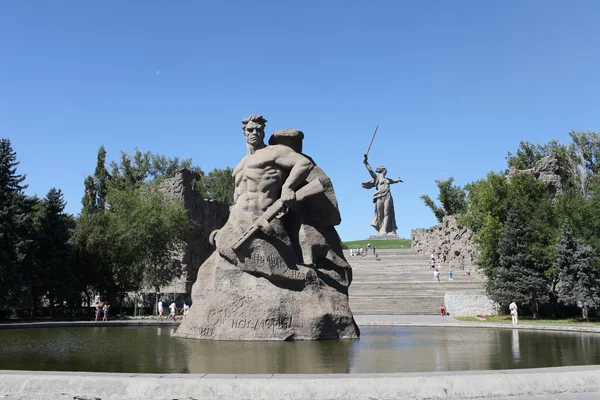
column 379, row 244
column 530, row 320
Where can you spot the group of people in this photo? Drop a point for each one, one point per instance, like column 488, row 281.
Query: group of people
column 363, row 251
column 172, row 310
column 437, row 265
column 101, row 308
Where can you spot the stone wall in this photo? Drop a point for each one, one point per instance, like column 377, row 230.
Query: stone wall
column 208, row 215
column 448, row 242
column 464, row 305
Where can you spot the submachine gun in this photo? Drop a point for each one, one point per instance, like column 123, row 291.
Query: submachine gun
column 278, row 210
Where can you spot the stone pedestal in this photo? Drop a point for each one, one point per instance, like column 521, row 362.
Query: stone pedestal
column 384, row 237
column 229, row 304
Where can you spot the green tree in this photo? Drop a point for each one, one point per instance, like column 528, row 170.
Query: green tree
column 578, row 275
column 101, row 179
column 527, row 155
column 524, row 247
column 94, row 254
column 149, row 228
column 452, row 198
column 52, row 276
column 140, row 167
column 487, row 205
column 15, row 221
column 217, row 185
column 585, row 157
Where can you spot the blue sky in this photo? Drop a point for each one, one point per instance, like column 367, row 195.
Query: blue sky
column 453, row 85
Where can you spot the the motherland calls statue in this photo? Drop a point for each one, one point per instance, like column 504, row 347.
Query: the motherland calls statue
column 384, row 219
column 278, row 272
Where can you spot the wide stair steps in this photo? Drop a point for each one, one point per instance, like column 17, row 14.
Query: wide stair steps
column 402, row 283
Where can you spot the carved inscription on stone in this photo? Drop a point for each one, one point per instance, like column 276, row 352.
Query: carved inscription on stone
column 266, row 324
column 218, row 316
column 202, row 330
column 276, row 265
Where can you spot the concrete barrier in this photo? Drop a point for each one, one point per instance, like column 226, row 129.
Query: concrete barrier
column 433, row 385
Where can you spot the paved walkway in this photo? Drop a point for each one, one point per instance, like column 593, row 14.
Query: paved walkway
column 438, row 320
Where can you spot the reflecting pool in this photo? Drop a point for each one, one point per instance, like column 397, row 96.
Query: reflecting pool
column 380, row 349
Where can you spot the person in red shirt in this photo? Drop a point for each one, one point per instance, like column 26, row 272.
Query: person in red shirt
column 442, row 310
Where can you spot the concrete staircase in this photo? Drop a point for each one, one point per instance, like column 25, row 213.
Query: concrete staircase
column 402, row 283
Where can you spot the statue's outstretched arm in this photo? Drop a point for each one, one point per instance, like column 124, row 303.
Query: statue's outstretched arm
column 373, row 175
column 391, row 180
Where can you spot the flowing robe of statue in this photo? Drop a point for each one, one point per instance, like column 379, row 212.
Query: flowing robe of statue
column 288, row 278
column 384, row 218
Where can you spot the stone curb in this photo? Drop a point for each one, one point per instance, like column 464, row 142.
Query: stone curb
column 362, row 320
column 564, row 328
column 87, row 324
column 433, row 385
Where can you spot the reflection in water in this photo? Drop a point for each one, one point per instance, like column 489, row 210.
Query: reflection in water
column 515, row 345
column 380, row 349
column 267, row 357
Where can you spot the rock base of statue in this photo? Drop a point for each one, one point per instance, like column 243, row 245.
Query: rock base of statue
column 384, row 237
column 230, row 304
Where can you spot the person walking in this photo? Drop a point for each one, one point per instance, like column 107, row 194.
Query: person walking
column 450, row 275
column 97, row 313
column 436, row 275
column 173, row 311
column 442, row 310
column 105, row 311
column 160, row 310
column 186, row 309
column 468, row 274
column 514, row 312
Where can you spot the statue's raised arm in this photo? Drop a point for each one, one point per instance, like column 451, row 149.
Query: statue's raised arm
column 366, row 162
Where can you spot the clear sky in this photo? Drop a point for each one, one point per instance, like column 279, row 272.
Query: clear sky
column 453, row 85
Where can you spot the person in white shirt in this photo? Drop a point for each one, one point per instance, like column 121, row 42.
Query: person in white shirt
column 186, row 309
column 173, row 309
column 514, row 311
column 161, row 310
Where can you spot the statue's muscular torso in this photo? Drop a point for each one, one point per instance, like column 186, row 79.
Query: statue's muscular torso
column 258, row 181
column 260, row 177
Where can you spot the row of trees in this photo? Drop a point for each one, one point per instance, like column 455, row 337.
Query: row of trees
column 536, row 246
column 124, row 240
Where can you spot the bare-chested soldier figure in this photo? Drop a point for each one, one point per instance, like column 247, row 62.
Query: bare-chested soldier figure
column 264, row 175
column 273, row 275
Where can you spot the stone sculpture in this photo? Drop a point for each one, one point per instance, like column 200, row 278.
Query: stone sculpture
column 449, row 242
column 384, row 220
column 278, row 271
column 546, row 170
column 207, row 215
